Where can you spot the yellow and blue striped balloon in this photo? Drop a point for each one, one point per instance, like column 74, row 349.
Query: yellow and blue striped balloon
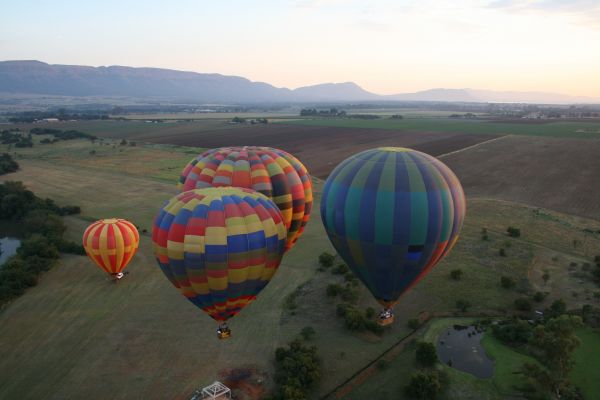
column 219, row 246
column 392, row 213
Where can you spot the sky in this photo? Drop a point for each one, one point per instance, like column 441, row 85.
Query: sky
column 385, row 46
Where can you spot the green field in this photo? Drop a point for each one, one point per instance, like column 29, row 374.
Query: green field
column 76, row 335
column 587, row 363
column 579, row 130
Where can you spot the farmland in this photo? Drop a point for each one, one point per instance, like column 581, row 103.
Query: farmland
column 76, row 335
column 583, row 129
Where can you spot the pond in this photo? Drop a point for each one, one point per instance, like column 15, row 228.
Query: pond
column 8, row 248
column 460, row 347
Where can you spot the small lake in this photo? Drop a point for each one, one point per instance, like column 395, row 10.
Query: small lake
column 8, row 248
column 460, row 347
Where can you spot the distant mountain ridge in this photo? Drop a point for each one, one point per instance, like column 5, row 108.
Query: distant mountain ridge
column 36, row 77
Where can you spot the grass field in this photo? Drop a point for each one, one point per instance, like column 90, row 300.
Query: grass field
column 578, row 130
column 587, row 363
column 76, row 335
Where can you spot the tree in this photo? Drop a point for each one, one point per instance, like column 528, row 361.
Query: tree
column 297, row 369
column 426, row 354
column 456, row 274
column 539, row 297
column 513, row 232
column 507, row 282
column 308, row 332
column 333, row 289
column 326, row 259
column 556, row 339
column 462, row 304
column 546, row 277
column 423, row 386
column 557, row 308
column 523, row 304
column 413, row 323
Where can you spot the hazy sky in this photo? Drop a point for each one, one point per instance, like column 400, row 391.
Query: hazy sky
column 385, row 46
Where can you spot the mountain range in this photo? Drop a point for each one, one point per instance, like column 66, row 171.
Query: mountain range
column 36, row 77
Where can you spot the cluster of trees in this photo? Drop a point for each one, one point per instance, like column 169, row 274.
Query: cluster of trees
column 61, row 135
column 354, row 319
column 41, row 230
column 596, row 271
column 364, row 116
column 239, row 120
column 61, row 114
column 513, row 232
column 465, row 116
column 551, row 342
column 15, row 137
column 313, row 112
column 357, row 321
column 7, row 164
column 297, row 369
column 427, row 383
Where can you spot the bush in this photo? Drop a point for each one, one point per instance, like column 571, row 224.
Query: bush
column 333, row 289
column 426, row 354
column 39, row 246
column 349, row 294
column 413, row 323
column 516, row 331
column 423, row 386
column 7, row 164
column 462, row 304
column 558, row 308
column 456, row 274
column 340, row 269
column 513, row 232
column 370, row 312
column 502, row 252
column 538, row 297
column 507, row 282
column 65, row 246
column 523, row 304
column 308, row 332
column 326, row 259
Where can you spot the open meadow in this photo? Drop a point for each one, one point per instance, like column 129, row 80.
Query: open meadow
column 77, row 335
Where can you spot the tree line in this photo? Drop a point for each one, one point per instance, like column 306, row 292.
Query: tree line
column 41, row 230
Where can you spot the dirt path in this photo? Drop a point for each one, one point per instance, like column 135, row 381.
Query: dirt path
column 472, row 146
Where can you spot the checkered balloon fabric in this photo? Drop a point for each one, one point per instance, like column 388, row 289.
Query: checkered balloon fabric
column 219, row 246
column 272, row 172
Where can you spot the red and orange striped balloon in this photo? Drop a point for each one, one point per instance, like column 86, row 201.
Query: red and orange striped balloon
column 111, row 243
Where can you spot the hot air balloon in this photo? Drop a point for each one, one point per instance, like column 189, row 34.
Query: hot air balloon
column 111, row 244
column 392, row 214
column 272, row 172
column 220, row 247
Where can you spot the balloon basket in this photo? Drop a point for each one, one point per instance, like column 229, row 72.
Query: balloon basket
column 386, row 321
column 223, row 332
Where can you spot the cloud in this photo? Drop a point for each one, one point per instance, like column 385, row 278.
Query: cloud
column 564, row 6
column 318, row 3
column 586, row 12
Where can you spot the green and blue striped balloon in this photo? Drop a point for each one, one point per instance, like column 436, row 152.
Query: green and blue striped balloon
column 392, row 213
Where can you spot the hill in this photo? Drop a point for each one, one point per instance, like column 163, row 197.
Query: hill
column 35, row 77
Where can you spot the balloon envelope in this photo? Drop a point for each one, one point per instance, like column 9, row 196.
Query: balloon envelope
column 111, row 243
column 219, row 246
column 272, row 172
column 392, row 214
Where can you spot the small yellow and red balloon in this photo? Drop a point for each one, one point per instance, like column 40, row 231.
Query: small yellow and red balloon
column 111, row 244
